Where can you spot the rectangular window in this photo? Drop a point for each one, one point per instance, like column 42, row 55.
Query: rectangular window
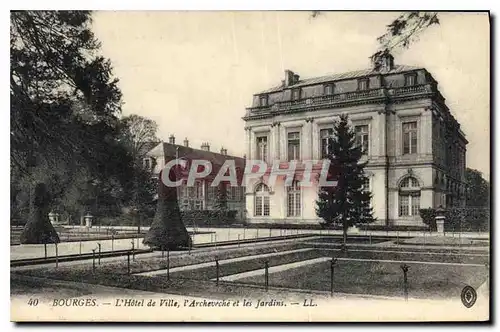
column 329, row 89
column 211, row 193
column 232, row 195
column 293, row 146
column 409, row 137
column 197, row 190
column 293, row 204
column 258, row 205
column 362, row 137
column 410, row 79
column 147, row 163
column 363, row 84
column 325, row 135
column 263, row 101
column 415, row 204
column 404, row 202
column 262, row 148
column 266, row 205
column 295, row 94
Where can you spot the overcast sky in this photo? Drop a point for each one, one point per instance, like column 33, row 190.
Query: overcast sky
column 195, row 72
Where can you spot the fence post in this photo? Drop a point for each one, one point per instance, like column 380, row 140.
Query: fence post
column 239, row 240
column 57, row 256
column 244, row 229
column 216, row 271
column 266, row 266
column 93, row 260
column 133, row 251
column 128, row 262
column 257, row 234
column 332, row 264
column 168, row 263
column 80, row 247
column 45, row 249
column 397, row 238
column 370, row 238
column 405, row 268
column 269, row 232
column 99, row 254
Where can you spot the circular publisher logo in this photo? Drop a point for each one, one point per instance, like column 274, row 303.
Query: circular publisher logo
column 468, row 296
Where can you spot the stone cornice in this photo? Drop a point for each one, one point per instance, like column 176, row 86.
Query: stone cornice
column 373, row 96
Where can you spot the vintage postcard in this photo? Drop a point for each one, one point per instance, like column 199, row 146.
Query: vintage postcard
column 257, row 166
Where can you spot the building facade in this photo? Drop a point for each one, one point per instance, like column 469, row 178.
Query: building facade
column 201, row 196
column 413, row 145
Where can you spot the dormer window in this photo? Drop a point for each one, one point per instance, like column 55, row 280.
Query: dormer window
column 263, row 100
column 329, row 89
column 363, row 84
column 410, row 79
column 296, row 94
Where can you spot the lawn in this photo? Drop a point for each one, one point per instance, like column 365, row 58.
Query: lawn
column 247, row 265
column 379, row 278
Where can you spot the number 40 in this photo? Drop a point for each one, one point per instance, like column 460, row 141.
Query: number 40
column 33, row 302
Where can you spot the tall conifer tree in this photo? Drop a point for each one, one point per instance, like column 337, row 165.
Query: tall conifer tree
column 348, row 203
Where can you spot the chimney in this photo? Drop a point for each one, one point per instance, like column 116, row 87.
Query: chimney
column 223, row 151
column 171, row 139
column 289, row 77
column 205, row 146
column 382, row 61
column 296, row 78
column 186, row 142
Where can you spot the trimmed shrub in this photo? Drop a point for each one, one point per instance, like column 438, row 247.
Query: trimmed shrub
column 459, row 219
column 209, row 217
column 39, row 229
column 167, row 230
column 429, row 218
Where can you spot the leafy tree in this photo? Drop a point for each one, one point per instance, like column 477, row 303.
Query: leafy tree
column 402, row 31
column 64, row 107
column 221, row 197
column 167, row 230
column 220, row 204
column 478, row 189
column 348, row 203
column 139, row 136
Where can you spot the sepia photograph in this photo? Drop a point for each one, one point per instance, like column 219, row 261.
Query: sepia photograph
column 250, row 166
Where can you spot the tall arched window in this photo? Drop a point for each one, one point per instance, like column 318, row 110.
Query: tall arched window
column 261, row 200
column 293, row 199
column 409, row 197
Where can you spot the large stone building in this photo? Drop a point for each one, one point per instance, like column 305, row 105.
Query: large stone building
column 201, row 196
column 413, row 144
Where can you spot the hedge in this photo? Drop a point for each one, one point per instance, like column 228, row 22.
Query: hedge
column 459, row 219
column 208, row 217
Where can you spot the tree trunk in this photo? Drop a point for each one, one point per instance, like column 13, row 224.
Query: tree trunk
column 39, row 229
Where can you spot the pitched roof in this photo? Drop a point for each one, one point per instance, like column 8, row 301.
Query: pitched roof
column 191, row 153
column 342, row 76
